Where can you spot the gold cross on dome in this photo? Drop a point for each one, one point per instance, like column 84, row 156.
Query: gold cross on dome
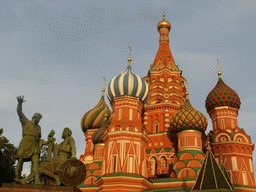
column 163, row 13
column 218, row 64
column 130, row 51
column 104, row 80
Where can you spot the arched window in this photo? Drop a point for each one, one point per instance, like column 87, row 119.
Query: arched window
column 153, row 165
column 163, row 161
column 156, row 126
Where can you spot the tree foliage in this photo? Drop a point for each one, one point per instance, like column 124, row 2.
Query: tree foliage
column 7, row 160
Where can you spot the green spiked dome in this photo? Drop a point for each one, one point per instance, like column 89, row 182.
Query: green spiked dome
column 222, row 95
column 189, row 118
column 95, row 117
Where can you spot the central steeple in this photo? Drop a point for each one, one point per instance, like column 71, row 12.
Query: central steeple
column 164, row 56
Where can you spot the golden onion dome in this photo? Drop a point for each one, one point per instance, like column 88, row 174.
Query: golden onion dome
column 164, row 24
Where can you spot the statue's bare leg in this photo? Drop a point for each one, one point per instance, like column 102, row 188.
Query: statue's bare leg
column 35, row 168
column 31, row 175
column 19, row 168
column 34, row 171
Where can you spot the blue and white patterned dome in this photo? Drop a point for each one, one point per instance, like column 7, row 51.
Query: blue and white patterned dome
column 127, row 83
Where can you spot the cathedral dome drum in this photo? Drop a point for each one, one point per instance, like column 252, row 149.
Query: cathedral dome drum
column 95, row 117
column 222, row 95
column 128, row 84
column 189, row 119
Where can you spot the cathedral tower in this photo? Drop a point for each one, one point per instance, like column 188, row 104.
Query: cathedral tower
column 166, row 96
column 230, row 143
column 126, row 139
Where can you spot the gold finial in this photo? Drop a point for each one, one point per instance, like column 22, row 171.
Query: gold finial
column 219, row 73
column 163, row 23
column 103, row 89
column 208, row 146
column 129, row 59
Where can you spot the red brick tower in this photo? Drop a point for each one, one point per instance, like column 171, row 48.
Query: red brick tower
column 166, row 95
column 229, row 142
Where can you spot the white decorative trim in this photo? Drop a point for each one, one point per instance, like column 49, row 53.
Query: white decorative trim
column 239, row 134
column 221, row 134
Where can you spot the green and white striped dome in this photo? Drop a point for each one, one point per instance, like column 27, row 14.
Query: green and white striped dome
column 95, row 117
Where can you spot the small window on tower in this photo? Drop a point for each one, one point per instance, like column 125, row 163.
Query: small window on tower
column 186, row 141
column 223, row 125
column 156, row 128
column 114, row 164
column 187, row 173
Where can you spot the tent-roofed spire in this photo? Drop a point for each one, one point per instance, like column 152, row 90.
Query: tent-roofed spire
column 164, row 56
column 211, row 177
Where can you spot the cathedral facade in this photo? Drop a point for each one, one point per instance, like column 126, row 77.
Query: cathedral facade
column 153, row 139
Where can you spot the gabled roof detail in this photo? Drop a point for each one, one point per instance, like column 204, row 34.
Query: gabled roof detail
column 211, row 177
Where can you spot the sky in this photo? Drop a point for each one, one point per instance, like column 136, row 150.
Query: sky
column 56, row 53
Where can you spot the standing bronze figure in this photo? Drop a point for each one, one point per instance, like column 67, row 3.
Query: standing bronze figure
column 29, row 145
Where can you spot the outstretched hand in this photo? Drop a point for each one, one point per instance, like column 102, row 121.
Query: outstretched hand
column 21, row 99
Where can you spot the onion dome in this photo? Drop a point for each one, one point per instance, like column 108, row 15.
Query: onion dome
column 97, row 136
column 222, row 95
column 164, row 24
column 95, row 117
column 189, row 118
column 128, row 84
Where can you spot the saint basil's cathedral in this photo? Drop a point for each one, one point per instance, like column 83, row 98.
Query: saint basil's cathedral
column 154, row 139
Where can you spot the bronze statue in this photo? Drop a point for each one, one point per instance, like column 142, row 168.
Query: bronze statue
column 64, row 168
column 61, row 153
column 29, row 145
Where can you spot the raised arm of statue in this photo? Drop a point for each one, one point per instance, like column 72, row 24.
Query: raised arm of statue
column 21, row 115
